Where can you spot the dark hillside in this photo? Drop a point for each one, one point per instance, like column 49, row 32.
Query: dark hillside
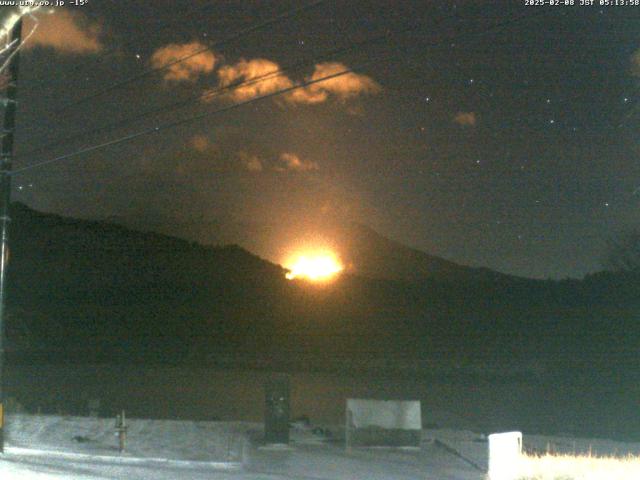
column 91, row 291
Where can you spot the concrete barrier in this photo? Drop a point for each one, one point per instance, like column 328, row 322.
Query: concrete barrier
column 383, row 423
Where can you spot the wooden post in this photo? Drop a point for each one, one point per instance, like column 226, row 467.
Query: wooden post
column 121, row 429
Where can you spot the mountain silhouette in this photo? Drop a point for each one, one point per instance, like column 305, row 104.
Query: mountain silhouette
column 87, row 291
column 364, row 251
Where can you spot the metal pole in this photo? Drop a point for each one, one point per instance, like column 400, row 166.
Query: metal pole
column 6, row 160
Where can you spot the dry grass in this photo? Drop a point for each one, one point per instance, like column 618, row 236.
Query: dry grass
column 578, row 467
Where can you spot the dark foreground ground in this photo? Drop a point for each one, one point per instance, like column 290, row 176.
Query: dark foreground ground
column 43, row 447
column 535, row 405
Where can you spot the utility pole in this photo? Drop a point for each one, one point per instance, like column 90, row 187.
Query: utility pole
column 6, row 160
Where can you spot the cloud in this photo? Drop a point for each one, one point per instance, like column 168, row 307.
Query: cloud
column 187, row 70
column 286, row 162
column 250, row 162
column 63, row 31
column 267, row 80
column 465, row 119
column 246, row 70
column 344, row 87
column 200, row 143
column 292, row 162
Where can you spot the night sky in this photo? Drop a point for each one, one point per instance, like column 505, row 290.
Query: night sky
column 489, row 133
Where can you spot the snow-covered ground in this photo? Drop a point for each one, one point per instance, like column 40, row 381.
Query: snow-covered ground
column 76, row 448
column 167, row 439
column 64, row 447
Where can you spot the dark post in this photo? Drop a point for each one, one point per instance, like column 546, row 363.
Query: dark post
column 276, row 422
column 121, row 429
column 6, row 157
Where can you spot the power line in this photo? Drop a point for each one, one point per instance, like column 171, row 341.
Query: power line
column 212, row 94
column 205, row 96
column 268, row 76
column 150, row 71
column 177, row 123
column 224, row 109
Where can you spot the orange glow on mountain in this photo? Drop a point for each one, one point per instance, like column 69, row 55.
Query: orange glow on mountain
column 320, row 266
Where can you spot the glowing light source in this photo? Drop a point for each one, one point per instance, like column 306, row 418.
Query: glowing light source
column 316, row 266
column 505, row 453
